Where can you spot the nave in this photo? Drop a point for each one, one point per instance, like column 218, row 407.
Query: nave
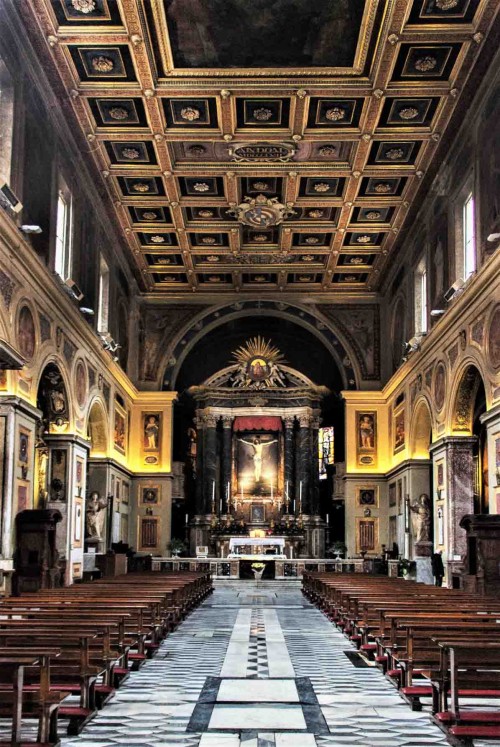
column 299, row 689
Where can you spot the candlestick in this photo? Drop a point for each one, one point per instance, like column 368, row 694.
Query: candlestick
column 328, row 518
column 220, row 506
column 271, row 492
column 187, row 518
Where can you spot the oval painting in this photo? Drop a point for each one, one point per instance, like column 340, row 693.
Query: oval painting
column 494, row 338
column 26, row 333
column 80, row 383
column 440, row 385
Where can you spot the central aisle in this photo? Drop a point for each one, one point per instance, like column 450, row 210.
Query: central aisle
column 258, row 666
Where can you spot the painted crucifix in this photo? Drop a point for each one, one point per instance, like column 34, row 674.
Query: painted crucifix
column 258, row 453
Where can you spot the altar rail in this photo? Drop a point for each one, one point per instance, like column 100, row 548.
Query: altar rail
column 284, row 569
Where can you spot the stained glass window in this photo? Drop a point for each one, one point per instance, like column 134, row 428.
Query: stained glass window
column 326, row 450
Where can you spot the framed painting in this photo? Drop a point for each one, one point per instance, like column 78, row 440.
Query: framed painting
column 392, row 495
column 399, row 430
column 120, row 429
column 23, row 496
column 257, row 513
column 23, row 446
column 151, row 431
column 367, row 495
column 150, row 495
column 78, row 523
column 366, row 436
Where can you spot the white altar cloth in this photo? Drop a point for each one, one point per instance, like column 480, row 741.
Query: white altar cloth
column 236, row 544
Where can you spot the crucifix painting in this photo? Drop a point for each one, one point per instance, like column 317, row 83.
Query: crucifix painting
column 257, row 457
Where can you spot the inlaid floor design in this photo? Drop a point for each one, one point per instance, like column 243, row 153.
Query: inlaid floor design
column 256, row 666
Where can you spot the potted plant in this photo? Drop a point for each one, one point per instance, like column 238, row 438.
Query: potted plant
column 258, row 570
column 176, row 546
column 337, row 549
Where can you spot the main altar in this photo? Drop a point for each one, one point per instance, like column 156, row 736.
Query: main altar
column 256, row 469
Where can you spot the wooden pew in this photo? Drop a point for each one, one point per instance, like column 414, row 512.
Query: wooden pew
column 468, row 669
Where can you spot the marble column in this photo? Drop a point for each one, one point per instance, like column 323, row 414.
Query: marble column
column 209, row 476
column 314, row 464
column 303, row 461
column 457, row 454
column 199, row 504
column 289, row 422
column 227, row 424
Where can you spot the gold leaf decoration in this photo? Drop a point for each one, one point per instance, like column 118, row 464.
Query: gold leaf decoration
column 118, row 113
column 190, row 113
column 83, row 6
column 102, row 64
column 335, row 114
column 262, row 114
column 409, row 112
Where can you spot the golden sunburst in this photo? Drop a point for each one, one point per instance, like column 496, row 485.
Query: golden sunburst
column 257, row 347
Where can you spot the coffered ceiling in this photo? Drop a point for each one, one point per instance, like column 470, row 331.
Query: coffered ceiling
column 334, row 107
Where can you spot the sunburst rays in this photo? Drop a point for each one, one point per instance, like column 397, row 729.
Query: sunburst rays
column 257, row 347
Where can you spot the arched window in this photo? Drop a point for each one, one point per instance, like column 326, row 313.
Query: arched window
column 421, row 298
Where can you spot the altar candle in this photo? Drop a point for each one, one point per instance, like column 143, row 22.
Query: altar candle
column 286, row 489
column 187, row 518
column 328, row 518
column 228, row 492
column 220, row 506
column 213, row 491
column 271, row 491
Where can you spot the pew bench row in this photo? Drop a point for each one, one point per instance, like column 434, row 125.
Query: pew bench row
column 434, row 644
column 82, row 641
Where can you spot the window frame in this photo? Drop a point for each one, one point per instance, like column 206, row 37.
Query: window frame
column 103, row 296
column 469, row 258
column 63, row 245
column 421, row 298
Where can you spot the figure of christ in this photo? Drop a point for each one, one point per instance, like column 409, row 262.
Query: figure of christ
column 257, row 456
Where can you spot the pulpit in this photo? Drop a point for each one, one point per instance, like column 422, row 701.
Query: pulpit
column 482, row 566
column 36, row 560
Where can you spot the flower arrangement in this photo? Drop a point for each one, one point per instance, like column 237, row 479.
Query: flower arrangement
column 258, row 566
column 405, row 566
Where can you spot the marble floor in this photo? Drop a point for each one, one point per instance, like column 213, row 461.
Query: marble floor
column 257, row 666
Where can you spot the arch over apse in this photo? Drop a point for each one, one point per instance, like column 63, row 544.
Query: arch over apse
column 184, row 342
column 463, row 399
column 97, row 429
column 421, row 430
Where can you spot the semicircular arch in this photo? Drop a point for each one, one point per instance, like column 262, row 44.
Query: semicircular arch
column 188, row 337
column 421, row 429
column 464, row 386
column 97, row 428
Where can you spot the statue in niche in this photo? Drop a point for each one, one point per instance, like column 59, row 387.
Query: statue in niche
column 258, row 448
column 95, row 515
column 421, row 518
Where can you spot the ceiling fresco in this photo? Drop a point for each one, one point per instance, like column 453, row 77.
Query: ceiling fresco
column 332, row 110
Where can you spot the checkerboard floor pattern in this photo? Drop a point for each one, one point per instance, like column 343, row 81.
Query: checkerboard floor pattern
column 258, row 664
column 155, row 705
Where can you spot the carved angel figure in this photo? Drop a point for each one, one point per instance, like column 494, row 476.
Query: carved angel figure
column 95, row 515
column 421, row 519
